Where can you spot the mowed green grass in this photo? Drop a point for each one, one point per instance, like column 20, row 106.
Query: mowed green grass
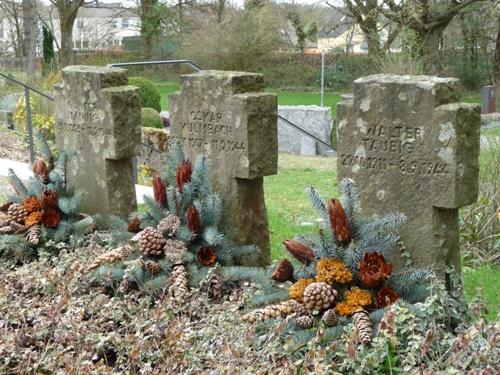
column 284, row 97
column 289, row 210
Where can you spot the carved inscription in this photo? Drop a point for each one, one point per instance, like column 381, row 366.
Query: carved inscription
column 207, row 130
column 397, row 148
column 82, row 119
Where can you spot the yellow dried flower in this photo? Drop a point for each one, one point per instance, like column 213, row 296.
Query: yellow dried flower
column 33, row 218
column 296, row 291
column 331, row 270
column 359, row 297
column 345, row 308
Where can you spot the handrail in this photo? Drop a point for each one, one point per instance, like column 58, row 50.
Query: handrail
column 160, row 62
column 27, row 86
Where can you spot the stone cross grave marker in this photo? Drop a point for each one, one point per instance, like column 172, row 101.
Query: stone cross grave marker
column 228, row 117
column 98, row 117
column 412, row 149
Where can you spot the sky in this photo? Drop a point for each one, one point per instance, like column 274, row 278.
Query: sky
column 237, row 2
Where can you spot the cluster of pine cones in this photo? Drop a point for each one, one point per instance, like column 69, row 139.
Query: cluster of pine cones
column 14, row 222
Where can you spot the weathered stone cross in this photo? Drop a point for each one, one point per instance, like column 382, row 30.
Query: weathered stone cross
column 411, row 148
column 228, row 117
column 98, row 117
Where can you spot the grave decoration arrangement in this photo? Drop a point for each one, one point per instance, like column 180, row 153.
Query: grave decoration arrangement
column 43, row 215
column 346, row 273
column 176, row 243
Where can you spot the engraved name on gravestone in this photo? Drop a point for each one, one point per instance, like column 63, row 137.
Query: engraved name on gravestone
column 228, row 117
column 98, row 118
column 412, row 149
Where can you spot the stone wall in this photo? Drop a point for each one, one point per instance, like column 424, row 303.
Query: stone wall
column 312, row 118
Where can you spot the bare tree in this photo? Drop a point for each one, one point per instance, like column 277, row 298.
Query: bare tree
column 428, row 19
column 13, row 14
column 29, row 36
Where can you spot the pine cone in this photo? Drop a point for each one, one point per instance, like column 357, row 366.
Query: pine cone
column 169, row 225
column 125, row 286
column 338, row 221
column 193, row 220
column 279, row 310
column 111, row 256
column 184, row 170
column 329, row 318
column 151, row 242
column 17, row 213
column 7, row 229
column 319, row 296
column 33, row 235
column 17, row 228
column 304, row 254
column 283, row 271
column 151, row 267
column 305, row 321
column 174, row 251
column 212, row 285
column 159, row 190
column 40, row 170
column 363, row 325
column 178, row 284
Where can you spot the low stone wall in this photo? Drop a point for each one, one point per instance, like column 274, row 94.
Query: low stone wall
column 152, row 141
column 314, row 119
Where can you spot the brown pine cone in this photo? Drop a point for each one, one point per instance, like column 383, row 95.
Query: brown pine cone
column 151, row 242
column 338, row 221
column 305, row 321
column 17, row 213
column 174, row 251
column 111, row 256
column 283, row 271
column 363, row 325
column 319, row 296
column 169, row 225
column 304, row 254
column 330, row 318
column 7, row 229
column 279, row 310
column 151, row 267
column 33, row 235
column 18, row 228
column 178, row 288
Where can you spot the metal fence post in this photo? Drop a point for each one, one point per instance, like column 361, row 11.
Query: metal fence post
column 29, row 124
column 322, row 76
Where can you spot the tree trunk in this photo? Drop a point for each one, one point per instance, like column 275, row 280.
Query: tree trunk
column 29, row 31
column 431, row 48
column 66, row 56
column 496, row 62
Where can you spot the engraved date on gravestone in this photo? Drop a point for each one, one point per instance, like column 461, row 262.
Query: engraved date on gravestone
column 394, row 148
column 206, row 129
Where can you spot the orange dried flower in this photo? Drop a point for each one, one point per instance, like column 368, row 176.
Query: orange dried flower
column 206, row 256
column 159, row 190
column 296, row 291
column 374, row 270
column 49, row 199
column 31, row 204
column 346, row 309
column 359, row 297
column 338, row 221
column 304, row 254
column 386, row 296
column 183, row 174
column 331, row 270
column 134, row 226
column 33, row 218
column 51, row 218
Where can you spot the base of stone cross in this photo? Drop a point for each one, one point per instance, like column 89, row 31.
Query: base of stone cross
column 23, row 171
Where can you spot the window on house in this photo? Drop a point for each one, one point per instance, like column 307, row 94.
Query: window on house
column 125, row 23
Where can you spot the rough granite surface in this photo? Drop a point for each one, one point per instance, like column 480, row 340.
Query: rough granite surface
column 412, row 149
column 98, row 117
column 228, row 117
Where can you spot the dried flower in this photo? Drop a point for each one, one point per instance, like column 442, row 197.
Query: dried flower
column 283, row 271
column 331, row 270
column 386, row 296
column 51, row 218
column 134, row 226
column 338, row 221
column 345, row 309
column 374, row 270
column 206, row 256
column 33, row 218
column 296, row 291
column 183, row 174
column 301, row 252
column 193, row 220
column 159, row 190
column 359, row 297
column 40, row 170
column 31, row 204
column 49, row 199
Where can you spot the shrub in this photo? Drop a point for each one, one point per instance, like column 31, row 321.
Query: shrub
column 149, row 95
column 151, row 119
column 42, row 116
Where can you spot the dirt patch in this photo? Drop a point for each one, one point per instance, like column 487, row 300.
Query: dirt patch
column 13, row 146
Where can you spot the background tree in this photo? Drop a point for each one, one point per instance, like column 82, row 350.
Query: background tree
column 13, row 16
column 29, row 35
column 48, row 50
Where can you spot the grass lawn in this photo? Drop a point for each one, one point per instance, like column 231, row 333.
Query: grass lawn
column 284, row 97
column 290, row 214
